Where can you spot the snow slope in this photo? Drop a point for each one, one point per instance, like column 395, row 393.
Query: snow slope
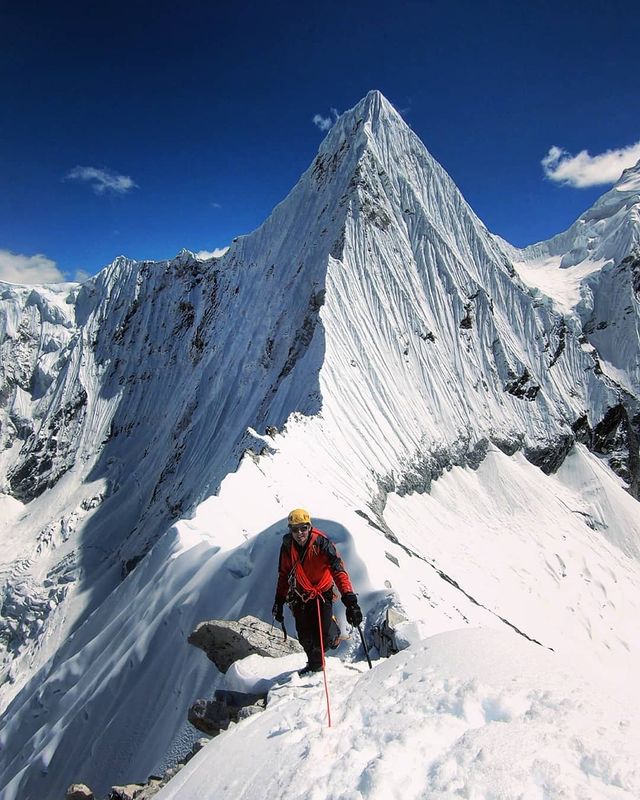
column 472, row 713
column 370, row 353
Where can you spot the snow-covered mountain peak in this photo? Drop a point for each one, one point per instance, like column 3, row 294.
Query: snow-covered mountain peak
column 367, row 352
column 375, row 108
column 373, row 111
column 603, row 235
column 591, row 272
column 623, row 197
column 374, row 127
column 629, row 181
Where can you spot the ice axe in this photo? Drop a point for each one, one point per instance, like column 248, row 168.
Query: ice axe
column 364, row 644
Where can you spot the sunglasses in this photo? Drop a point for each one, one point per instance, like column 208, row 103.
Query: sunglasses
column 299, row 528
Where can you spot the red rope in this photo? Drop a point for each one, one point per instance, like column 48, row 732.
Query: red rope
column 311, row 590
column 324, row 668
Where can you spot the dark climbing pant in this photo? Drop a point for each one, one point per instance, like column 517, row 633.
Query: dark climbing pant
column 306, row 617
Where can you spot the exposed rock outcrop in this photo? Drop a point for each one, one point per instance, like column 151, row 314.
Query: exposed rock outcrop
column 384, row 634
column 213, row 716
column 131, row 791
column 227, row 641
column 137, row 791
column 79, row 791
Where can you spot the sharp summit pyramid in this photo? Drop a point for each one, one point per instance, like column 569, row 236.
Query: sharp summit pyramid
column 370, row 343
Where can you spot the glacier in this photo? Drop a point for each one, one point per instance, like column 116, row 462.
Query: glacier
column 459, row 414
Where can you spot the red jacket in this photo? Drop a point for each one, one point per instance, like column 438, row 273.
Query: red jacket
column 310, row 570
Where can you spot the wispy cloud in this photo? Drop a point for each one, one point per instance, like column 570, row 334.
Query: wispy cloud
column 585, row 170
column 101, row 180
column 203, row 255
column 325, row 123
column 16, row 268
column 81, row 276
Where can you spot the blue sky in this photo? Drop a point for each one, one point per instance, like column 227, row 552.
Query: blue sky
column 140, row 128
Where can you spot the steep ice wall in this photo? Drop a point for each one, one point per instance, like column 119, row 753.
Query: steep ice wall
column 37, row 330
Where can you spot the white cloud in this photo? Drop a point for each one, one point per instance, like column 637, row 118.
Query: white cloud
column 203, row 255
column 216, row 205
column 102, row 180
column 586, row 170
column 325, row 123
column 81, row 276
column 16, row 268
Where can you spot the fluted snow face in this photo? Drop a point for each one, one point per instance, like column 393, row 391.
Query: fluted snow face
column 432, row 342
column 426, row 340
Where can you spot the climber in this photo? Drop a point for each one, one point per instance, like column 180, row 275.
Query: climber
column 309, row 567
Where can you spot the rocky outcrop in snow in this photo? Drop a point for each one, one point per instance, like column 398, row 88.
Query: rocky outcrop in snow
column 214, row 716
column 136, row 791
column 79, row 791
column 227, row 641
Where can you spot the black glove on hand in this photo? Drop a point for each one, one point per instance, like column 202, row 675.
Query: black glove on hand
column 354, row 614
column 278, row 611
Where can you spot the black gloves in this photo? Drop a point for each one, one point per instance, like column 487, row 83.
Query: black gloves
column 354, row 614
column 278, row 610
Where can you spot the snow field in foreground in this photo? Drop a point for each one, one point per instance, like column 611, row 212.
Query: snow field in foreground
column 473, row 713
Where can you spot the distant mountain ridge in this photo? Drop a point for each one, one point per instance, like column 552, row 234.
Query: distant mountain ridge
column 609, row 230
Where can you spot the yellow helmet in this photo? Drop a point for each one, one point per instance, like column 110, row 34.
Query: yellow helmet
column 299, row 517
